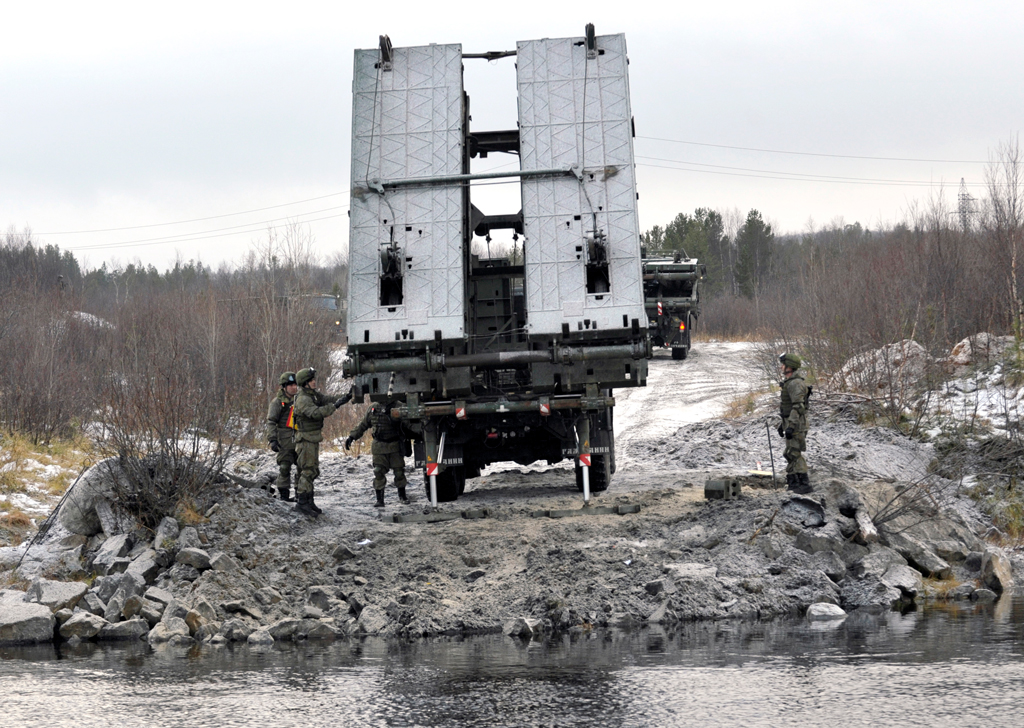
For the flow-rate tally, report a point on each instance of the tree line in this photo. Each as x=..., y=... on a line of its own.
x=938, y=276
x=95, y=348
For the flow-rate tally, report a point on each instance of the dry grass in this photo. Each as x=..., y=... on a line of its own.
x=15, y=525
x=940, y=588
x=19, y=455
x=186, y=513
x=743, y=405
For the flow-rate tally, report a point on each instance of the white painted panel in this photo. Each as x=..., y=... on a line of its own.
x=575, y=111
x=407, y=122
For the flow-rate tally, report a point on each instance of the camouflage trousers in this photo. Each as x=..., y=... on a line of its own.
x=308, y=461
x=794, y=453
x=286, y=458
x=382, y=463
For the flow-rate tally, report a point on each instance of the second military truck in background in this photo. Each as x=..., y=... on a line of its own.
x=513, y=357
x=672, y=287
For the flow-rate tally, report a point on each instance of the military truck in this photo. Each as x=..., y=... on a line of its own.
x=672, y=284
x=512, y=358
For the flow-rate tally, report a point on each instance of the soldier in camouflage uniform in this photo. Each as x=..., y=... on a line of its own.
x=311, y=409
x=793, y=408
x=281, y=433
x=387, y=449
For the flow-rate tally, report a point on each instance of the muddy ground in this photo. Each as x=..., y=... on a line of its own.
x=681, y=557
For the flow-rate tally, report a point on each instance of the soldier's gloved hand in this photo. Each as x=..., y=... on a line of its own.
x=781, y=430
x=790, y=432
x=338, y=402
x=274, y=446
x=348, y=442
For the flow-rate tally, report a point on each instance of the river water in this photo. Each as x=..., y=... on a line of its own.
x=937, y=667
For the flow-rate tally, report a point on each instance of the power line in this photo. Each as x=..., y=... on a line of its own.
x=796, y=176
x=816, y=154
x=184, y=238
x=197, y=219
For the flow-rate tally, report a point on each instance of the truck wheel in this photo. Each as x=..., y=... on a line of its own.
x=600, y=474
x=451, y=483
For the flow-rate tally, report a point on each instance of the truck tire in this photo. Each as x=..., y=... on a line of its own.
x=451, y=483
x=600, y=474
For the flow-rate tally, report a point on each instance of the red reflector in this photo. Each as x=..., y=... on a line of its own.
x=682, y=326
x=492, y=435
x=585, y=460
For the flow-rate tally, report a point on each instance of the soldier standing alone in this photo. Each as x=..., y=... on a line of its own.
x=387, y=449
x=311, y=409
x=281, y=432
x=795, y=397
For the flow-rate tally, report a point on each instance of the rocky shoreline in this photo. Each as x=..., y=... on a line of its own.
x=253, y=571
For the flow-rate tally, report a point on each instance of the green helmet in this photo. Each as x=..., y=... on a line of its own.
x=792, y=361
x=305, y=376
x=287, y=378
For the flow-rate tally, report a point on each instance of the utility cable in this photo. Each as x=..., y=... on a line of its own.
x=816, y=154
x=197, y=219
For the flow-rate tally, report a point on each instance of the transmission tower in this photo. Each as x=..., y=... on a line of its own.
x=965, y=206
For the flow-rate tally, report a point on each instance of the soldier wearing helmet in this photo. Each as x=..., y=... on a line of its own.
x=795, y=397
x=311, y=409
x=281, y=432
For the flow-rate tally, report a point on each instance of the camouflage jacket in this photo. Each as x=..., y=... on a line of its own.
x=386, y=431
x=794, y=400
x=311, y=409
x=277, y=420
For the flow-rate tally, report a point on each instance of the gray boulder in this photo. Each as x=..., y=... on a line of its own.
x=904, y=578
x=145, y=566
x=129, y=585
x=869, y=593
x=189, y=539
x=220, y=561
x=83, y=625
x=235, y=630
x=919, y=556
x=114, y=549
x=824, y=611
x=373, y=620
x=174, y=610
x=984, y=596
x=158, y=595
x=132, y=629
x=205, y=609
x=194, y=557
x=56, y=594
x=321, y=596
x=88, y=502
x=520, y=627
x=166, y=533
x=151, y=611
x=322, y=629
x=268, y=596
x=261, y=636
x=284, y=629
x=995, y=570
x=173, y=630
x=25, y=623
x=825, y=538
x=831, y=565
x=92, y=603
x=182, y=572
x=877, y=562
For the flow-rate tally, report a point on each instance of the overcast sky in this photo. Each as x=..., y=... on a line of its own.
x=139, y=115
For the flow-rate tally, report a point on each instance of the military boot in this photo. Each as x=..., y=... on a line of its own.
x=302, y=504
x=286, y=494
x=313, y=505
x=792, y=482
x=380, y=498
x=805, y=483
x=402, y=496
